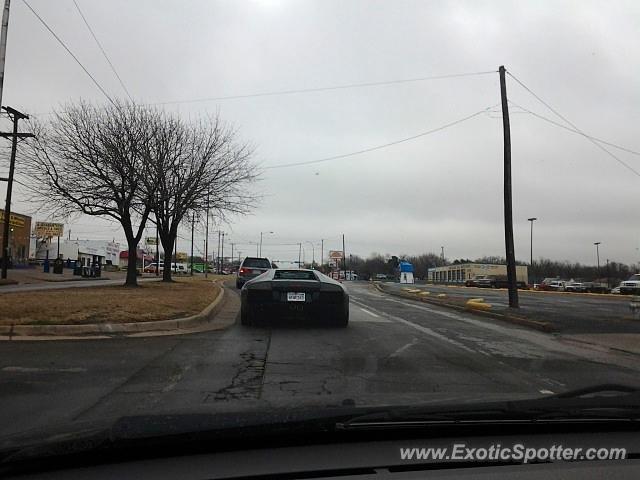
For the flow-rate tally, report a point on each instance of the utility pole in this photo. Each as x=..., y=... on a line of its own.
x=321, y=253
x=344, y=259
x=442, y=254
x=299, y=255
x=3, y=43
x=15, y=116
x=508, y=214
x=233, y=259
x=597, y=244
x=222, y=255
x=218, y=253
x=206, y=242
x=532, y=219
x=193, y=222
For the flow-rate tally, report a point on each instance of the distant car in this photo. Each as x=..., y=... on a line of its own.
x=576, y=287
x=631, y=286
x=557, y=286
x=472, y=282
x=616, y=290
x=380, y=276
x=498, y=281
x=250, y=268
x=298, y=294
x=545, y=285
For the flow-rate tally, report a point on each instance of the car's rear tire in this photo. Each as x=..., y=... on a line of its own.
x=342, y=320
x=238, y=285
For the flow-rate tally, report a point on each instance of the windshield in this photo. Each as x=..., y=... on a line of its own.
x=457, y=181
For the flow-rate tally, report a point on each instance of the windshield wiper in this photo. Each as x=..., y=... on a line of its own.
x=603, y=402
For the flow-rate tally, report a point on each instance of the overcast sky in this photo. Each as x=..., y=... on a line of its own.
x=442, y=189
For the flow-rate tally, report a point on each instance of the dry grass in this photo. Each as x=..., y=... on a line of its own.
x=112, y=304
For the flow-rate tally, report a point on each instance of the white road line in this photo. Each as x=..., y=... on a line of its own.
x=546, y=392
x=370, y=313
x=404, y=348
x=420, y=328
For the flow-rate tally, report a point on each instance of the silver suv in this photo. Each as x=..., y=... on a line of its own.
x=250, y=268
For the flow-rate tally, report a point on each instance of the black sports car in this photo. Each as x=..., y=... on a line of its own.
x=298, y=294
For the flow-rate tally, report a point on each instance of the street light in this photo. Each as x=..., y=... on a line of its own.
x=597, y=244
x=532, y=219
x=260, y=254
x=313, y=253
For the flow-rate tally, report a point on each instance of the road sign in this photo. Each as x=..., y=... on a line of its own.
x=47, y=229
x=14, y=220
x=181, y=257
x=335, y=254
x=150, y=241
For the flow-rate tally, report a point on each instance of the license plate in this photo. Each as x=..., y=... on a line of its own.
x=295, y=297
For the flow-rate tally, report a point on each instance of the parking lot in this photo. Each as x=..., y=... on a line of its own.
x=574, y=313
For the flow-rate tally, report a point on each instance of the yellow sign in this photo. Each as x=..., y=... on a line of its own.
x=181, y=257
x=46, y=229
x=14, y=220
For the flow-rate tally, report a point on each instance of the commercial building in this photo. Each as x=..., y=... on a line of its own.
x=142, y=261
x=19, y=237
x=87, y=252
x=466, y=271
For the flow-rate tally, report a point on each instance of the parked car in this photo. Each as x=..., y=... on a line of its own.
x=472, y=282
x=616, y=290
x=498, y=281
x=595, y=287
x=576, y=287
x=557, y=286
x=631, y=286
x=546, y=283
x=250, y=268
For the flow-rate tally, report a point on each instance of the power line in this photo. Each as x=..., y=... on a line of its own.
x=113, y=69
x=69, y=51
x=615, y=157
x=324, y=89
x=378, y=147
x=557, y=124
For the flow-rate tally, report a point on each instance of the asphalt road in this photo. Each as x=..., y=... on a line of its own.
x=572, y=313
x=395, y=351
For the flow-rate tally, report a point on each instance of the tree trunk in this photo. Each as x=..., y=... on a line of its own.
x=167, y=245
x=132, y=265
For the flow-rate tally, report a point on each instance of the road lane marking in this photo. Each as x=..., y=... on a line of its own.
x=546, y=392
x=370, y=313
x=420, y=328
x=404, y=348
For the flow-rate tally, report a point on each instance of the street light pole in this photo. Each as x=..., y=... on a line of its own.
x=313, y=253
x=532, y=219
x=260, y=251
x=597, y=244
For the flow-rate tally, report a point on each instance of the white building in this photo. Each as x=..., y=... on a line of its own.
x=86, y=251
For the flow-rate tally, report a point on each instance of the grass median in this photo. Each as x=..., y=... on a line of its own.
x=151, y=301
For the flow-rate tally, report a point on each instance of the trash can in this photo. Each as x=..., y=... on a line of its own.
x=58, y=266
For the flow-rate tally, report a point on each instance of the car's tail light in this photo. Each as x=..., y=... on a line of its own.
x=243, y=271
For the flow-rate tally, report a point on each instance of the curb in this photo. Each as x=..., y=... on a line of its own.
x=117, y=328
x=525, y=322
x=595, y=346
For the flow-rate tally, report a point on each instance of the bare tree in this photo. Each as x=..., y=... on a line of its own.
x=190, y=165
x=89, y=160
